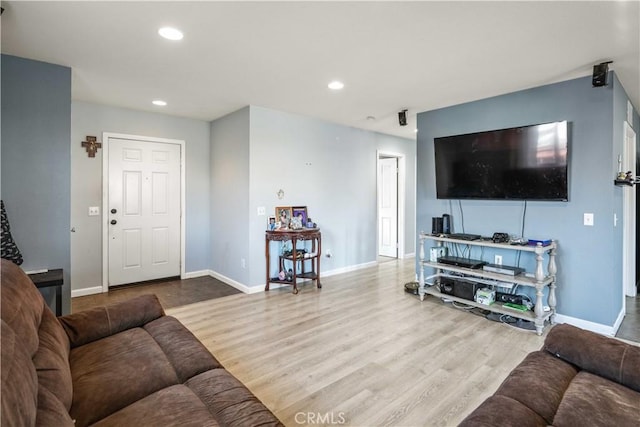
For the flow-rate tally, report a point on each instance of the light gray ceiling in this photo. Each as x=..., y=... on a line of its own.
x=390, y=55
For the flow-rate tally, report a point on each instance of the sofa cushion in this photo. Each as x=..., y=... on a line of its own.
x=112, y=373
x=600, y=355
x=19, y=380
x=100, y=322
x=230, y=402
x=172, y=406
x=493, y=412
x=595, y=401
x=52, y=359
x=51, y=411
x=186, y=354
x=539, y=371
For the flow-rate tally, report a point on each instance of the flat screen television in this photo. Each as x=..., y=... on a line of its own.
x=522, y=163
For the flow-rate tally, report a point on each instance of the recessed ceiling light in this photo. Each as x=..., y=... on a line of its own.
x=336, y=85
x=159, y=103
x=170, y=33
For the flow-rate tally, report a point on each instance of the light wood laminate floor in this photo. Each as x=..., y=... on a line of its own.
x=360, y=351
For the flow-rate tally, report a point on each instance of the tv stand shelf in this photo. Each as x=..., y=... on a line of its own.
x=538, y=280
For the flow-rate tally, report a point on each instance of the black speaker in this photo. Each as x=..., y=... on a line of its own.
x=436, y=225
x=600, y=73
x=459, y=287
x=446, y=224
x=402, y=118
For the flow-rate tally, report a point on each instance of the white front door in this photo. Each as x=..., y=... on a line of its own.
x=143, y=210
x=388, y=207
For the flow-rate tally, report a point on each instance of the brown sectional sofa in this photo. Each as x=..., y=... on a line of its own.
x=121, y=365
x=578, y=378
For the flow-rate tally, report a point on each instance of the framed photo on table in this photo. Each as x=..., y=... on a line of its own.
x=283, y=216
x=301, y=213
x=271, y=223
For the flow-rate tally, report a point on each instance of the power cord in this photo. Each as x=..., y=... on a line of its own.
x=461, y=215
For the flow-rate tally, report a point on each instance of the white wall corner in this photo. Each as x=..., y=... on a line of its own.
x=239, y=286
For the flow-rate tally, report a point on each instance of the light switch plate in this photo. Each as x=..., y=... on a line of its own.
x=588, y=219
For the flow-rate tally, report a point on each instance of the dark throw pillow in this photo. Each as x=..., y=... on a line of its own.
x=8, y=248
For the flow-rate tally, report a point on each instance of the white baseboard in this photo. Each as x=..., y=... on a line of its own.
x=194, y=274
x=348, y=269
x=411, y=255
x=86, y=291
x=260, y=288
x=598, y=328
x=239, y=286
x=618, y=322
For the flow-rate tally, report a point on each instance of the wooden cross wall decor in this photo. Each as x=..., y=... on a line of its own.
x=91, y=145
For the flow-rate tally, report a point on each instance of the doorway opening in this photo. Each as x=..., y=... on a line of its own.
x=390, y=206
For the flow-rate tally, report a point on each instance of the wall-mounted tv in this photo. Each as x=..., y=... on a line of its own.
x=522, y=163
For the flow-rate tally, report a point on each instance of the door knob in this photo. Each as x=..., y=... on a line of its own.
x=114, y=211
x=114, y=222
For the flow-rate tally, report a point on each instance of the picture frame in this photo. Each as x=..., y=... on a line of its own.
x=271, y=223
x=283, y=216
x=296, y=211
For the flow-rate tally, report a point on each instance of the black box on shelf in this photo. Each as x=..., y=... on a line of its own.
x=459, y=287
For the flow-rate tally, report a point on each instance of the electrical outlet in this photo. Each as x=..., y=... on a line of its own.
x=261, y=210
x=243, y=263
x=94, y=210
x=497, y=259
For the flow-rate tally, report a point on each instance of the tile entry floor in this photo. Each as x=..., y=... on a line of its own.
x=171, y=292
x=630, y=327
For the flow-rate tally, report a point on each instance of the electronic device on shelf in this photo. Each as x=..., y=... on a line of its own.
x=459, y=287
x=500, y=238
x=503, y=269
x=534, y=242
x=464, y=236
x=461, y=262
x=513, y=299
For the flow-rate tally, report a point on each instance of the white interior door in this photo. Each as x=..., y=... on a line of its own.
x=143, y=210
x=388, y=207
x=629, y=214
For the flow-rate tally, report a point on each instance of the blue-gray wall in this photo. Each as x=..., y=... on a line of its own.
x=230, y=213
x=589, y=276
x=36, y=128
x=327, y=167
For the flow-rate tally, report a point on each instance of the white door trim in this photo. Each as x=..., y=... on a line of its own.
x=629, y=217
x=105, y=197
x=401, y=199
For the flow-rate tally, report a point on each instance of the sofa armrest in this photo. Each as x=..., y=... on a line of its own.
x=603, y=356
x=100, y=322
